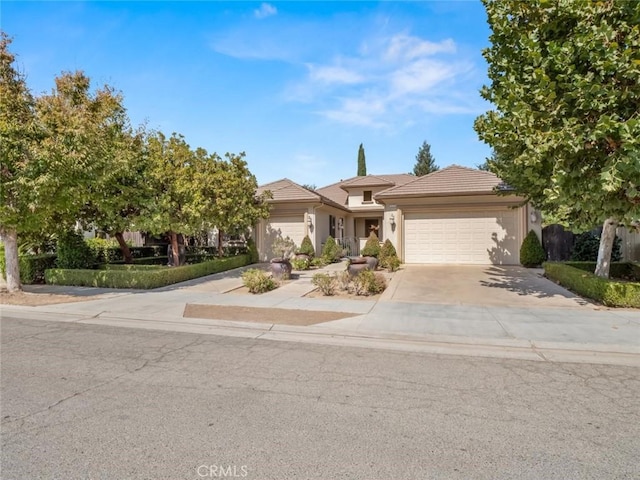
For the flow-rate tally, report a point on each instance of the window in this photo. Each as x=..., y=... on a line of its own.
x=332, y=226
x=366, y=196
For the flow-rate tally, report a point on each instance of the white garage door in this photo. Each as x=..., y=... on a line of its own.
x=477, y=237
x=289, y=226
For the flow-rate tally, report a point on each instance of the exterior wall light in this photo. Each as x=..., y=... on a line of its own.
x=533, y=216
x=309, y=222
x=392, y=219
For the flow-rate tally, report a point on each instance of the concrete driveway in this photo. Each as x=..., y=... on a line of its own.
x=485, y=285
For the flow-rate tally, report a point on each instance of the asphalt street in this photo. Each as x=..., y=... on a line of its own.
x=101, y=402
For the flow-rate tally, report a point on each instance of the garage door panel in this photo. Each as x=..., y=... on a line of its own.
x=480, y=237
x=290, y=226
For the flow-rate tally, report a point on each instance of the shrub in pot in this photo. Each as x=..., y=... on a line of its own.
x=306, y=249
x=283, y=248
x=371, y=250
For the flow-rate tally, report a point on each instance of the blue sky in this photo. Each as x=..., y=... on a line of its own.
x=296, y=85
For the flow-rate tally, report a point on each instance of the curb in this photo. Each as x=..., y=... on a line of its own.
x=552, y=352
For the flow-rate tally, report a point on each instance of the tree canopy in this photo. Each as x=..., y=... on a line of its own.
x=71, y=157
x=425, y=163
x=565, y=86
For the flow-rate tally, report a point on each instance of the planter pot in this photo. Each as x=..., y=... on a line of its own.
x=281, y=268
x=303, y=256
x=357, y=260
x=372, y=262
x=355, y=268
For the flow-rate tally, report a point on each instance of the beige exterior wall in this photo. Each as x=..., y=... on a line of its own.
x=356, y=196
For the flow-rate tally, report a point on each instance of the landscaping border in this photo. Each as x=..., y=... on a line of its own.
x=142, y=276
x=576, y=277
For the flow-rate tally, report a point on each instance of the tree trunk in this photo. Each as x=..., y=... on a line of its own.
x=220, y=248
x=9, y=237
x=606, y=246
x=124, y=248
x=175, y=252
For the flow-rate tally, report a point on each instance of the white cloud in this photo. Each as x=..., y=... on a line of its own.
x=334, y=74
x=389, y=81
x=406, y=47
x=265, y=10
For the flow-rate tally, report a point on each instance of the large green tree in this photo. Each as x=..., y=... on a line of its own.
x=53, y=154
x=362, y=162
x=565, y=85
x=122, y=194
x=19, y=132
x=236, y=206
x=425, y=163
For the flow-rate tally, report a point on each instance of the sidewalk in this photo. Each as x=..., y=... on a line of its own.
x=592, y=335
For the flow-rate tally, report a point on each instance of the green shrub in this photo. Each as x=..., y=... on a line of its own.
x=609, y=292
x=73, y=252
x=104, y=251
x=325, y=282
x=586, y=245
x=531, y=252
x=32, y=267
x=306, y=247
x=300, y=264
x=368, y=282
x=319, y=262
x=258, y=281
x=617, y=270
x=142, y=278
x=283, y=247
x=386, y=251
x=330, y=251
x=343, y=280
x=372, y=247
x=393, y=263
x=252, y=250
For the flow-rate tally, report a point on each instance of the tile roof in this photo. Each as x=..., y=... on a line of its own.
x=448, y=181
x=337, y=193
x=286, y=190
x=367, y=181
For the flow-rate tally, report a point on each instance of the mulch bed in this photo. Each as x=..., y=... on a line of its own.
x=282, y=316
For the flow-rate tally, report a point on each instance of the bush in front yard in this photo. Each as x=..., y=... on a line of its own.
x=306, y=247
x=325, y=282
x=143, y=277
x=300, y=264
x=368, y=282
x=585, y=248
x=610, y=292
x=258, y=281
x=331, y=252
x=531, y=252
x=387, y=251
x=73, y=252
x=371, y=247
x=32, y=267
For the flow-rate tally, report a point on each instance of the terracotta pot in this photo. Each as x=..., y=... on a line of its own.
x=303, y=256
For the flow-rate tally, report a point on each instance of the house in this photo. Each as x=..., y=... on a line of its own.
x=453, y=215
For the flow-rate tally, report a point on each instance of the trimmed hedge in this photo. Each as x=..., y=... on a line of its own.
x=621, y=270
x=142, y=276
x=576, y=277
x=32, y=267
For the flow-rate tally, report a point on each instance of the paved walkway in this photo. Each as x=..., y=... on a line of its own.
x=584, y=328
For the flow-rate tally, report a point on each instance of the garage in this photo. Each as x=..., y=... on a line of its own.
x=480, y=237
x=291, y=226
